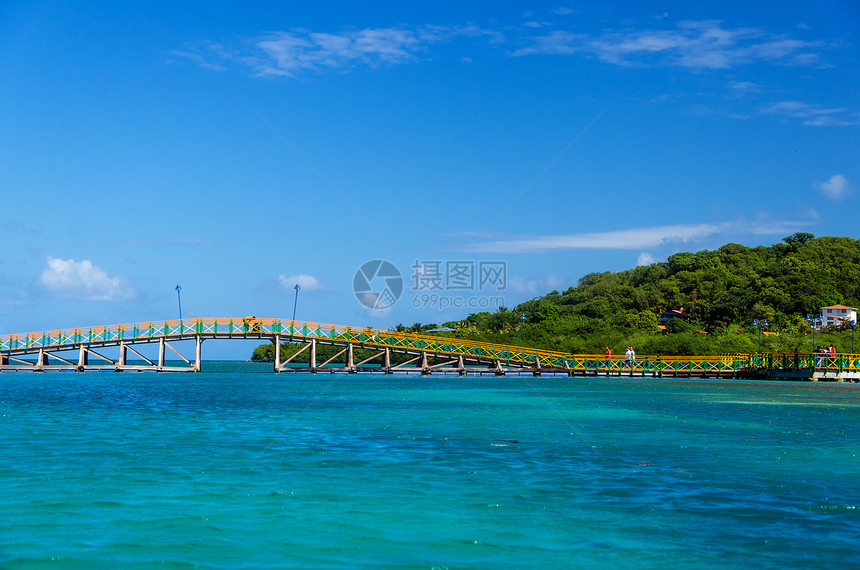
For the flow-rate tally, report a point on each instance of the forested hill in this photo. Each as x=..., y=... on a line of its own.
x=720, y=291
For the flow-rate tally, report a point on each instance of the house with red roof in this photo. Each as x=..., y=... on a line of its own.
x=837, y=315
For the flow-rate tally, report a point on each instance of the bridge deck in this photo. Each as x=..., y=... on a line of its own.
x=41, y=351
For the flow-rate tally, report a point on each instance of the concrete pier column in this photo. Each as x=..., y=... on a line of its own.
x=277, y=342
x=350, y=359
x=198, y=353
x=312, y=362
x=42, y=359
x=123, y=355
x=461, y=366
x=386, y=360
x=161, y=345
x=82, y=358
x=425, y=367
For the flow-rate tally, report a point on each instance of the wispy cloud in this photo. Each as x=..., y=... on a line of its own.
x=170, y=241
x=522, y=285
x=698, y=45
x=835, y=188
x=635, y=238
x=285, y=53
x=704, y=44
x=814, y=115
x=744, y=88
x=537, y=25
x=83, y=280
x=14, y=226
x=289, y=53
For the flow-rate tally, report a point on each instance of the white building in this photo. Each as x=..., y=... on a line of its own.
x=837, y=315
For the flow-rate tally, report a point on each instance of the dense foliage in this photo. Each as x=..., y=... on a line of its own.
x=721, y=292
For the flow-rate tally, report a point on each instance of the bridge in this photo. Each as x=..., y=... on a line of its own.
x=78, y=350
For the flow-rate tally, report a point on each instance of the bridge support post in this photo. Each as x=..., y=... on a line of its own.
x=161, y=345
x=82, y=358
x=350, y=360
x=461, y=366
x=386, y=361
x=123, y=356
x=312, y=362
x=198, y=353
x=277, y=342
x=425, y=368
x=42, y=360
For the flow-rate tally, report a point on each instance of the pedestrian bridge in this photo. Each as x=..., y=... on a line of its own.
x=81, y=349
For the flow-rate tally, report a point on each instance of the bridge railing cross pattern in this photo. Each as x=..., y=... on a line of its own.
x=131, y=333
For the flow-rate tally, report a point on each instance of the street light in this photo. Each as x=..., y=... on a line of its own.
x=179, y=300
x=296, y=302
x=853, y=325
x=522, y=320
x=812, y=321
x=759, y=324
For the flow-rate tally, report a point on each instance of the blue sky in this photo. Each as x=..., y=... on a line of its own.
x=237, y=151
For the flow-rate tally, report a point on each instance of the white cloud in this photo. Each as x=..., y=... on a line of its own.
x=693, y=44
x=835, y=188
x=562, y=11
x=285, y=53
x=705, y=44
x=635, y=238
x=288, y=53
x=814, y=115
x=83, y=280
x=744, y=88
x=523, y=286
x=554, y=281
x=306, y=282
x=645, y=258
x=536, y=25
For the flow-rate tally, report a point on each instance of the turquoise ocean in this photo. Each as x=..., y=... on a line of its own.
x=237, y=467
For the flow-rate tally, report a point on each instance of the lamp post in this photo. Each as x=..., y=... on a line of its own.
x=296, y=301
x=853, y=326
x=759, y=324
x=812, y=321
x=179, y=300
x=522, y=320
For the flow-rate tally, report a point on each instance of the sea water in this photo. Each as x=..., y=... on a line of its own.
x=237, y=467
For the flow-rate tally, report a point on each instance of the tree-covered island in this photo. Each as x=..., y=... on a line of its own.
x=720, y=292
